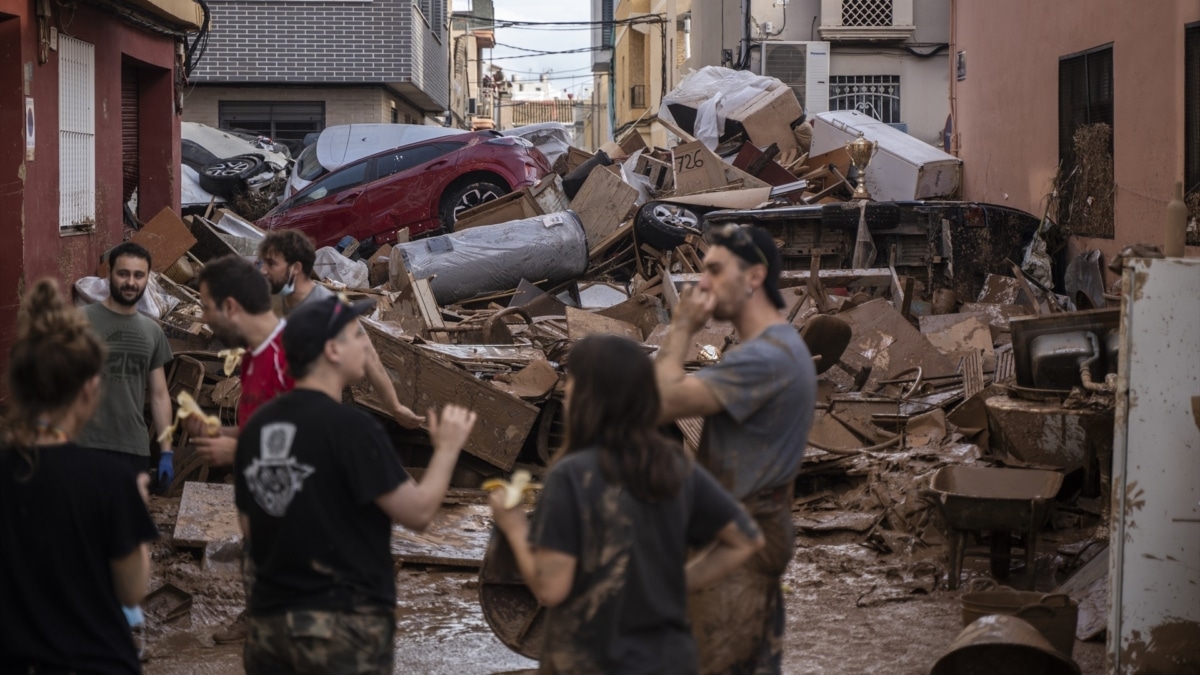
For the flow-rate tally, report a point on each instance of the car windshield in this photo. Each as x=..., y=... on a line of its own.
x=307, y=166
x=346, y=178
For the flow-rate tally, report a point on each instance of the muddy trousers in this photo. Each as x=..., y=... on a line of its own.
x=739, y=621
x=312, y=642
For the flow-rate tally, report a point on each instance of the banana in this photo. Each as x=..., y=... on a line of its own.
x=515, y=490
x=232, y=358
x=187, y=408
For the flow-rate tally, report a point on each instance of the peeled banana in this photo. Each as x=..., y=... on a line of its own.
x=187, y=408
x=515, y=490
x=232, y=358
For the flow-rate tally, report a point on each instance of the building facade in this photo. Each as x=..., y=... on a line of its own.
x=287, y=69
x=472, y=92
x=89, y=109
x=1018, y=103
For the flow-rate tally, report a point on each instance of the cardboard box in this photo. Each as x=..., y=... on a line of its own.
x=767, y=118
x=904, y=167
x=697, y=169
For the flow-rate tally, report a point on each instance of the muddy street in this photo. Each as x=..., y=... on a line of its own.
x=850, y=609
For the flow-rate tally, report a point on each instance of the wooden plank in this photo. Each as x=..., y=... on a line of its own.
x=209, y=244
x=166, y=237
x=424, y=381
x=888, y=343
x=582, y=323
x=431, y=311
x=641, y=310
x=457, y=537
x=623, y=230
x=696, y=170
x=206, y=514
x=603, y=203
x=973, y=381
x=832, y=278
x=670, y=290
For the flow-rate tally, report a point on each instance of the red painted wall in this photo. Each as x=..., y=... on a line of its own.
x=1006, y=111
x=30, y=244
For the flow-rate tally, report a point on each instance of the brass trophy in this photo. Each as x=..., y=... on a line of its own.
x=861, y=152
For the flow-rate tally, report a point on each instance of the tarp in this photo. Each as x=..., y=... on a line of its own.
x=494, y=258
x=714, y=92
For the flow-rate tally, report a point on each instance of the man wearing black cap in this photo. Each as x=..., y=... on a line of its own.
x=317, y=488
x=757, y=404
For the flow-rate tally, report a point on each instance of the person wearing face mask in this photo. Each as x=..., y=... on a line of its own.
x=137, y=354
x=286, y=259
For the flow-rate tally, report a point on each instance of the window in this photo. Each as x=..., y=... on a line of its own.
x=874, y=95
x=284, y=121
x=867, y=19
x=403, y=160
x=76, y=135
x=637, y=96
x=343, y=179
x=1191, y=115
x=1085, y=99
x=866, y=12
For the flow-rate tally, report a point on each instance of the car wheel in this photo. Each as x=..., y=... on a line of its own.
x=465, y=197
x=665, y=226
x=196, y=156
x=227, y=177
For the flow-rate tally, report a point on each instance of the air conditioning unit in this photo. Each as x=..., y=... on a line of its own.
x=803, y=66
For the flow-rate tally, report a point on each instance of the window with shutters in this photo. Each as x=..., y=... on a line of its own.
x=76, y=136
x=281, y=121
x=867, y=20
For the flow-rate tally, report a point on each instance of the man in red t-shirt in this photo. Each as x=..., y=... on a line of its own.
x=237, y=307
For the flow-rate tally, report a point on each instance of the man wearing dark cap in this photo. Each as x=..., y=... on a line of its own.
x=757, y=404
x=317, y=488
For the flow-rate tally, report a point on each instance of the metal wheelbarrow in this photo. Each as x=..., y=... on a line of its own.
x=1000, y=500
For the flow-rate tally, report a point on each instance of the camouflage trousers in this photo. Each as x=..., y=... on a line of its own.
x=307, y=641
x=739, y=621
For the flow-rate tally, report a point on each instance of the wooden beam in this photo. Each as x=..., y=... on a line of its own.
x=872, y=276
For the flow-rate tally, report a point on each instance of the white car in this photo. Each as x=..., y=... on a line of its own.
x=343, y=144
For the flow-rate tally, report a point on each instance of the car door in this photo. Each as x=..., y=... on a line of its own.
x=407, y=183
x=331, y=207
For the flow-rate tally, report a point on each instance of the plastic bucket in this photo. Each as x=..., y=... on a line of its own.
x=1054, y=615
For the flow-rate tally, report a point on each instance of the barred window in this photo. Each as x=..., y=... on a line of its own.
x=874, y=95
x=278, y=120
x=76, y=135
x=866, y=12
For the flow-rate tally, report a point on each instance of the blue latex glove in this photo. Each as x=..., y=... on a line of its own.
x=166, y=470
x=134, y=616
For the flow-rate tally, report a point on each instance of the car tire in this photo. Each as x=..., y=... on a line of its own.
x=227, y=177
x=196, y=156
x=664, y=225
x=459, y=198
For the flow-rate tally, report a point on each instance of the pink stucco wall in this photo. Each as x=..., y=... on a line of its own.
x=1007, y=108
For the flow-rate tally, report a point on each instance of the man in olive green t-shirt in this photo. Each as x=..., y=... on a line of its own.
x=137, y=353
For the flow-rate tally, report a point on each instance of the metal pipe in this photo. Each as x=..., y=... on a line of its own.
x=1108, y=386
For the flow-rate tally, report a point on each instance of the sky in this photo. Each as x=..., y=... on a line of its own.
x=569, y=72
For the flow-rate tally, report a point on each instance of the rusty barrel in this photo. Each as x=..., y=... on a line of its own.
x=999, y=645
x=509, y=607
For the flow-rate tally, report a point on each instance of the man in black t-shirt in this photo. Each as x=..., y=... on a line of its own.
x=318, y=486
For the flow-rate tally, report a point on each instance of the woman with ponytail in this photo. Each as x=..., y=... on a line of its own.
x=607, y=549
x=73, y=521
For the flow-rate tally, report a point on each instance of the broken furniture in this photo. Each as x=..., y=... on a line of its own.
x=999, y=500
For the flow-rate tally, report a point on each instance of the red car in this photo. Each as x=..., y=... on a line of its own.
x=423, y=186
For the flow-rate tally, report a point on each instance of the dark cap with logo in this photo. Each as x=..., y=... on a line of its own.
x=756, y=246
x=312, y=324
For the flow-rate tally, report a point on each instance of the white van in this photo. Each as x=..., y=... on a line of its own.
x=340, y=145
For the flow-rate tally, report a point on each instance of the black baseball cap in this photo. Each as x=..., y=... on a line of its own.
x=756, y=246
x=312, y=324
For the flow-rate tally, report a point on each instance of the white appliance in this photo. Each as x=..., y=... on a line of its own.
x=1154, y=551
x=803, y=66
x=904, y=167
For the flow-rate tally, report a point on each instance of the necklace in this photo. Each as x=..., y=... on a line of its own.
x=57, y=433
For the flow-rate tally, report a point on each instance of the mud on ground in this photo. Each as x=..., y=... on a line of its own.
x=850, y=609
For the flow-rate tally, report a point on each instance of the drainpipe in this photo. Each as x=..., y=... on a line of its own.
x=744, y=51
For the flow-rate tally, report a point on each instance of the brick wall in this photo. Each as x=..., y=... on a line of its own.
x=349, y=105
x=376, y=41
